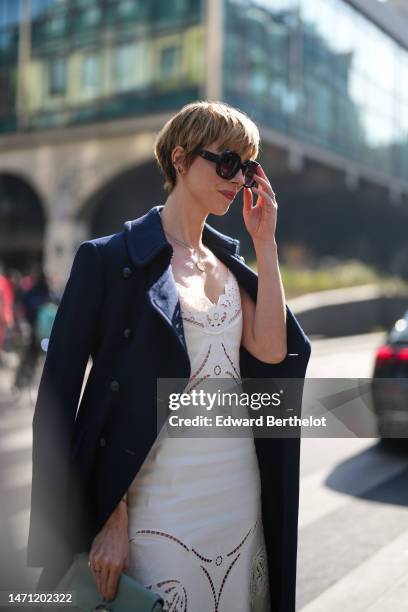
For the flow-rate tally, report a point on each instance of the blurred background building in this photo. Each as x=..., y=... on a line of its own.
x=86, y=84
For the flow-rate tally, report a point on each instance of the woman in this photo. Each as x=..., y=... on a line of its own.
x=136, y=502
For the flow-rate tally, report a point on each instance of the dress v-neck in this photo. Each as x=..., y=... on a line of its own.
x=204, y=295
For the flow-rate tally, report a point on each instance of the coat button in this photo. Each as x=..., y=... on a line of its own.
x=114, y=385
x=126, y=272
x=127, y=332
x=102, y=442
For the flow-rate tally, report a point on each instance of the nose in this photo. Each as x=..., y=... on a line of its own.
x=239, y=177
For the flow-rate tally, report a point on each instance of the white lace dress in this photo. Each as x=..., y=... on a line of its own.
x=195, y=525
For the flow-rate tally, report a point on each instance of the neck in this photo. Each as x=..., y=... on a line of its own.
x=183, y=221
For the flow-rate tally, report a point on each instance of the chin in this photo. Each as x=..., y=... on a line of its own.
x=218, y=206
x=218, y=212
x=221, y=209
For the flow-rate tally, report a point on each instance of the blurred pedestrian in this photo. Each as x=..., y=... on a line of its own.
x=6, y=308
x=33, y=299
x=16, y=338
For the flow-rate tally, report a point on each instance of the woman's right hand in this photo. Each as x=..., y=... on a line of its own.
x=108, y=556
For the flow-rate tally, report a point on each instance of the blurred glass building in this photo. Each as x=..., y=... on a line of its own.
x=326, y=81
x=78, y=61
x=319, y=70
x=322, y=72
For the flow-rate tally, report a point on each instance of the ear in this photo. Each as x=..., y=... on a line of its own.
x=178, y=157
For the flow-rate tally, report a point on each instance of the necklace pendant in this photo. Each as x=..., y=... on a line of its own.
x=200, y=266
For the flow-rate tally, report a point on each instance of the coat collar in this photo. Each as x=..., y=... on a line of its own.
x=145, y=238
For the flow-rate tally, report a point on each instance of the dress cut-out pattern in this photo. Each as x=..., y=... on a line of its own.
x=194, y=507
x=175, y=597
x=213, y=317
x=219, y=326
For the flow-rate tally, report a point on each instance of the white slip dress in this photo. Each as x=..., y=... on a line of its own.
x=194, y=507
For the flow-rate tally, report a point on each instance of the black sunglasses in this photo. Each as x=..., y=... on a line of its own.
x=228, y=163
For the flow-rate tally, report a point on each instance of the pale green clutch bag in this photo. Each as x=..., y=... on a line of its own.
x=131, y=596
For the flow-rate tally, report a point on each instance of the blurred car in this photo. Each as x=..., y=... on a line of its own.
x=390, y=383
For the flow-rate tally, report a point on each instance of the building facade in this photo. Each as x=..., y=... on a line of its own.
x=86, y=84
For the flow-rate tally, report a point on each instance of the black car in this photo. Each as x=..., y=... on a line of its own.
x=390, y=383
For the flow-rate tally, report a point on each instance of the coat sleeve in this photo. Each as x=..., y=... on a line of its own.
x=280, y=465
x=70, y=345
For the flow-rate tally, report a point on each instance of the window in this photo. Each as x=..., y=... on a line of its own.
x=56, y=25
x=170, y=10
x=169, y=61
x=91, y=74
x=128, y=8
x=91, y=16
x=6, y=40
x=57, y=76
x=9, y=12
x=131, y=66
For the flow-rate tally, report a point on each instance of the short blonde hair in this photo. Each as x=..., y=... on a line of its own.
x=199, y=124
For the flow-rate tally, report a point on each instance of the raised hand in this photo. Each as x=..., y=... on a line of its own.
x=260, y=220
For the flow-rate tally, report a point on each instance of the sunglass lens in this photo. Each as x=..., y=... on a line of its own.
x=250, y=170
x=229, y=165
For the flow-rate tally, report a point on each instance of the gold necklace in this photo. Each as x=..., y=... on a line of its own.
x=198, y=262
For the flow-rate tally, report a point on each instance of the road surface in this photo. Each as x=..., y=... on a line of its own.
x=353, y=520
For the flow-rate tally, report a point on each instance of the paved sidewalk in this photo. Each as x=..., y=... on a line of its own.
x=16, y=411
x=353, y=524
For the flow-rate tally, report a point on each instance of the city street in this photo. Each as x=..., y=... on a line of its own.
x=353, y=517
x=353, y=521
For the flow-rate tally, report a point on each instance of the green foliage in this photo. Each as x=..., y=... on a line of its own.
x=298, y=281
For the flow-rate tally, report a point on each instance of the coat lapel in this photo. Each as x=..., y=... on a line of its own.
x=163, y=297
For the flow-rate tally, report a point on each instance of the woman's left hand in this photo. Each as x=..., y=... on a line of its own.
x=260, y=220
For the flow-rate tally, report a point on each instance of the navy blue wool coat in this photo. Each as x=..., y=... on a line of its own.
x=120, y=306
